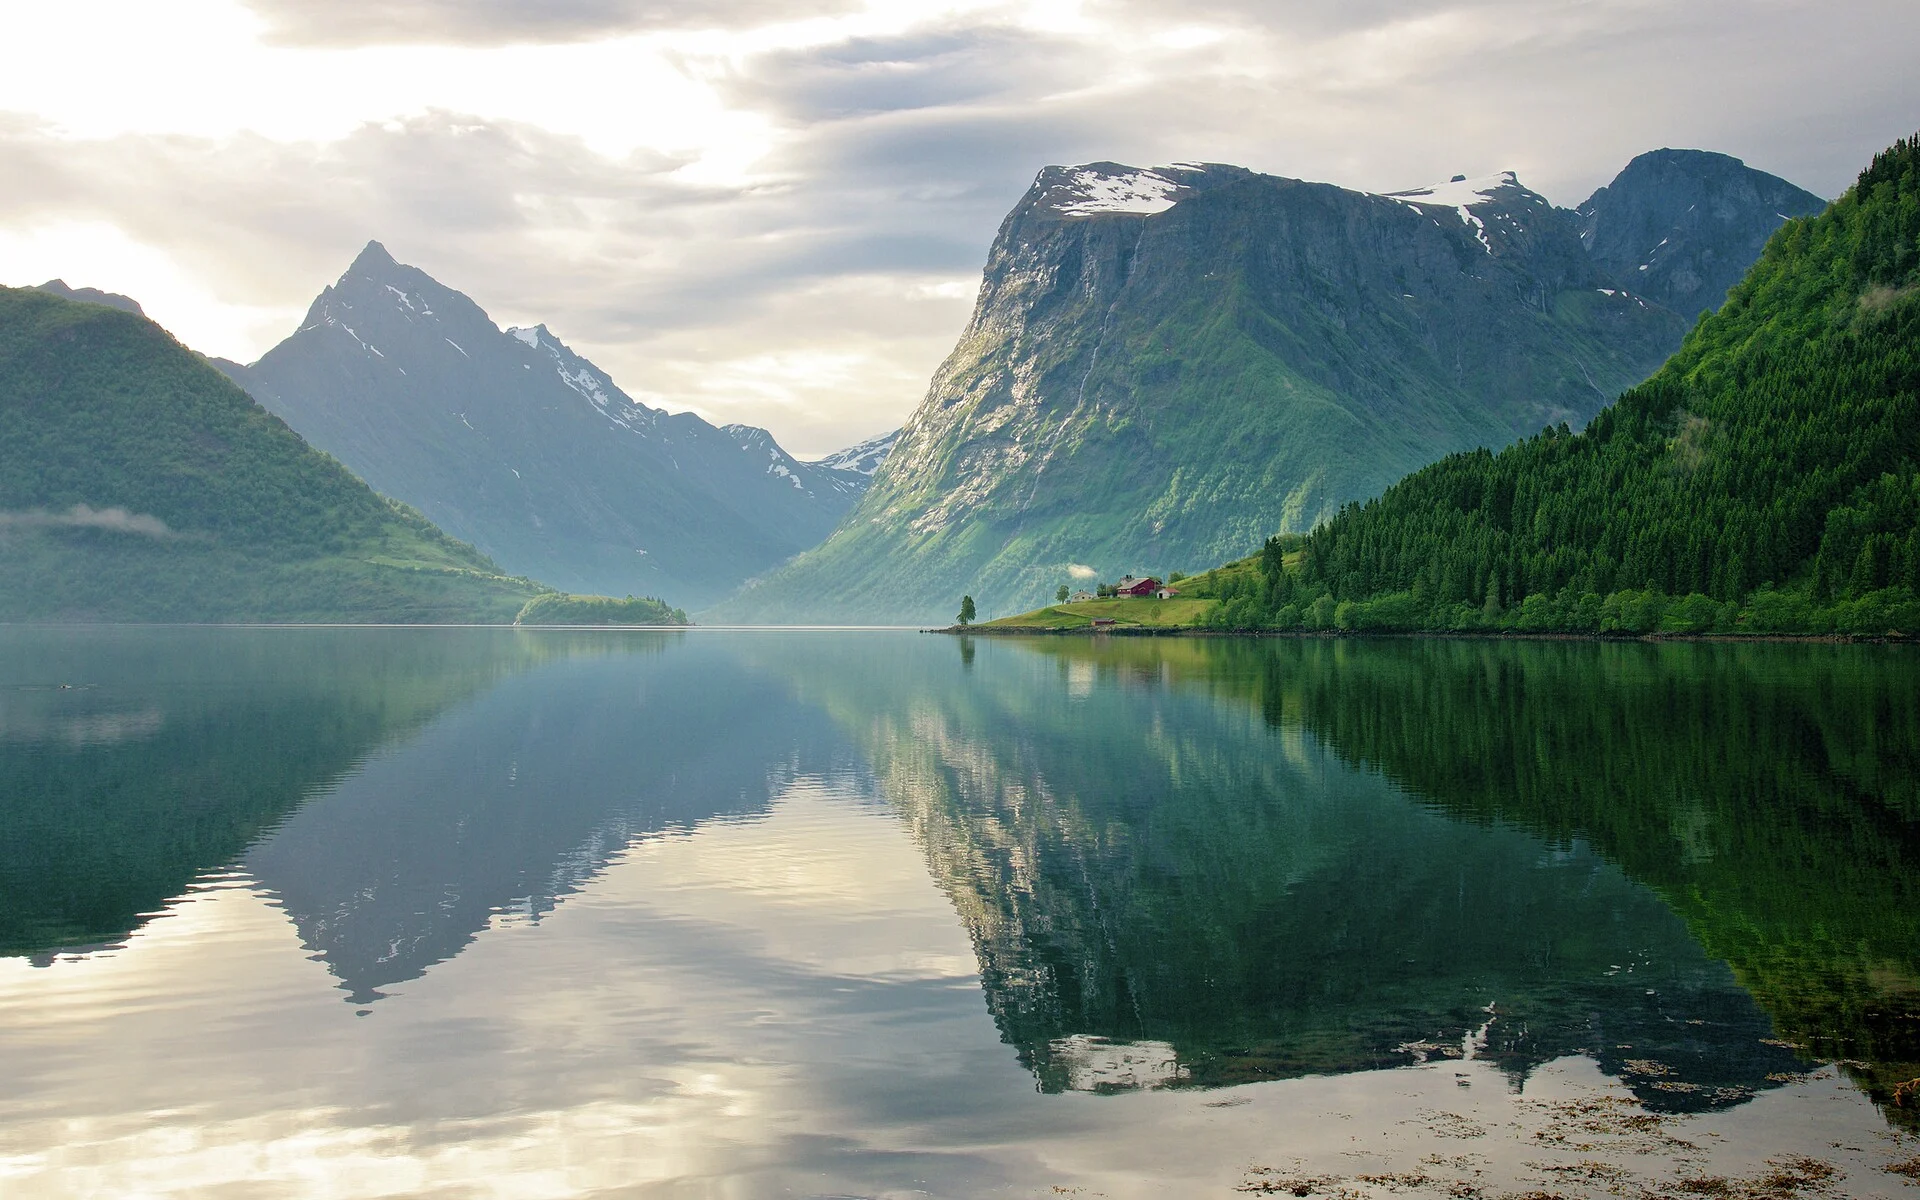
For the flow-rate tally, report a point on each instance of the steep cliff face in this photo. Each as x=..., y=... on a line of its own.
x=1680, y=227
x=1166, y=366
x=530, y=451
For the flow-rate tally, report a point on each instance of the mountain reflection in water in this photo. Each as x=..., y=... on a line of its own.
x=1304, y=856
x=1180, y=862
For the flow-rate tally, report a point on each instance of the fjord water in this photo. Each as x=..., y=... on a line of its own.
x=546, y=913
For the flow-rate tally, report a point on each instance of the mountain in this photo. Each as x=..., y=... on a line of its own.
x=87, y=295
x=137, y=483
x=1680, y=227
x=862, y=458
x=1166, y=366
x=1767, y=479
x=511, y=440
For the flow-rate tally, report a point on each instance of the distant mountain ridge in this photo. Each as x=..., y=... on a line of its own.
x=862, y=458
x=1166, y=365
x=87, y=295
x=510, y=439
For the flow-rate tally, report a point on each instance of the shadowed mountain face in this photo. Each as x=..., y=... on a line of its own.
x=1680, y=227
x=512, y=441
x=516, y=801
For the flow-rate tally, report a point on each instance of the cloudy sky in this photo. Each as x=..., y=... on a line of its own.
x=776, y=212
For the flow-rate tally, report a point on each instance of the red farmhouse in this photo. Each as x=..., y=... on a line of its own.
x=1137, y=587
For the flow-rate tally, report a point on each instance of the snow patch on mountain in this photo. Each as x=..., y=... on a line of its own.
x=1091, y=190
x=1463, y=195
x=1457, y=193
x=584, y=378
x=862, y=458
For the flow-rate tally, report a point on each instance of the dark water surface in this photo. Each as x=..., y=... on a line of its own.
x=709, y=913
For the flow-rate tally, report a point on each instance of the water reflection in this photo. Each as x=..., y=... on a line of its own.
x=1581, y=835
x=718, y=913
x=133, y=760
x=522, y=797
x=1140, y=864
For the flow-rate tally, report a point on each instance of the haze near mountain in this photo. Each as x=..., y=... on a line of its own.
x=1166, y=366
x=510, y=440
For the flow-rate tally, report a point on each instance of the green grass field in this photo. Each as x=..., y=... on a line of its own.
x=1156, y=614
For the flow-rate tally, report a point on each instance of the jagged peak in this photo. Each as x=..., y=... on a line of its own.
x=373, y=258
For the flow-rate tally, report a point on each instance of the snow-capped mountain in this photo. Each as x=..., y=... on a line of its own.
x=862, y=458
x=1167, y=364
x=511, y=440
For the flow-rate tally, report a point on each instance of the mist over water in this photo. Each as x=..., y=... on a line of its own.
x=398, y=912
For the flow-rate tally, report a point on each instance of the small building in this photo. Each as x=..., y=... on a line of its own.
x=1167, y=593
x=1136, y=587
x=1082, y=597
x=1099, y=622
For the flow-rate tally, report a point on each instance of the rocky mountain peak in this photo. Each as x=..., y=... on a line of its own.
x=372, y=260
x=526, y=447
x=1681, y=226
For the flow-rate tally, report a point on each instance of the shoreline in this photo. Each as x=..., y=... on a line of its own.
x=1196, y=631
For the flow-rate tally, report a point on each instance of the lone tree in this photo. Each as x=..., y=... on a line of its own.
x=1060, y=597
x=966, y=610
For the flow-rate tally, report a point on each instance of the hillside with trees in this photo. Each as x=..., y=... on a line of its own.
x=138, y=483
x=1765, y=480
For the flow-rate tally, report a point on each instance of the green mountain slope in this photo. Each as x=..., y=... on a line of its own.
x=137, y=483
x=1766, y=479
x=1149, y=389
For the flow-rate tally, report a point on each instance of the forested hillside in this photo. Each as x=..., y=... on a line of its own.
x=1767, y=479
x=138, y=483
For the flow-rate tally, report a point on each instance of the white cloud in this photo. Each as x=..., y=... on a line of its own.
x=778, y=218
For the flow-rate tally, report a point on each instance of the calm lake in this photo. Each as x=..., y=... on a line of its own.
x=708, y=913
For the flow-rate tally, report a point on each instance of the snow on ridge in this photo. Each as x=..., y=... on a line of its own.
x=862, y=458
x=1458, y=193
x=530, y=336
x=1461, y=195
x=1093, y=191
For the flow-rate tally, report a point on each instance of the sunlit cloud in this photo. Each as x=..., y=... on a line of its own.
x=716, y=201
